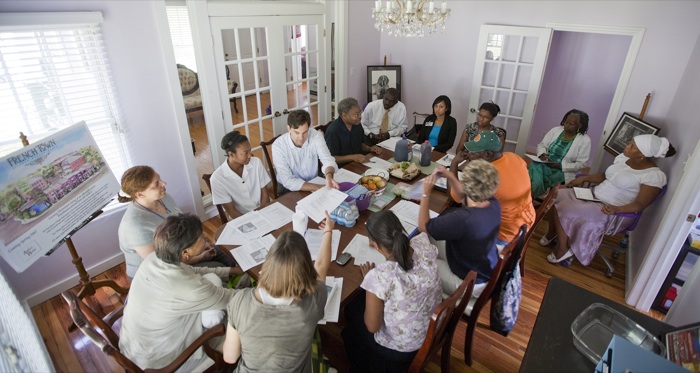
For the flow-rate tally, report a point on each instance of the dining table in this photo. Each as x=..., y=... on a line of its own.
x=351, y=274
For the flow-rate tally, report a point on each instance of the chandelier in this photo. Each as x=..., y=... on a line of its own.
x=409, y=18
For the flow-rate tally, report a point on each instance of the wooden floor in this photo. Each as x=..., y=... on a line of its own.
x=71, y=352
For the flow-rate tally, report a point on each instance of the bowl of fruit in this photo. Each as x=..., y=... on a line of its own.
x=375, y=183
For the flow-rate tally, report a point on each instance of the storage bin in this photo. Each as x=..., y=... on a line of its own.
x=594, y=328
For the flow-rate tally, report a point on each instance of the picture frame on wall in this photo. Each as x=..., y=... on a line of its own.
x=380, y=78
x=625, y=130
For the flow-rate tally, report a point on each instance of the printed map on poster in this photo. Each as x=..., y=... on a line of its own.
x=47, y=190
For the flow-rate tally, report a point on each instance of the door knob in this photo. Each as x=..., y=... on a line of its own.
x=472, y=110
x=285, y=111
x=277, y=114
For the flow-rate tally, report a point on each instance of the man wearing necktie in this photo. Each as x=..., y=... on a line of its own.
x=384, y=118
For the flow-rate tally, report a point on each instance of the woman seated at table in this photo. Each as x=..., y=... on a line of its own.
x=439, y=128
x=470, y=232
x=163, y=314
x=271, y=327
x=487, y=112
x=387, y=322
x=630, y=184
x=346, y=138
x=240, y=183
x=149, y=204
x=565, y=151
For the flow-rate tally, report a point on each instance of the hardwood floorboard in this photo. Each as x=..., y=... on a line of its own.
x=71, y=352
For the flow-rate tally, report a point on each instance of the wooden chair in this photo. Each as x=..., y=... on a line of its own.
x=222, y=212
x=542, y=210
x=471, y=315
x=323, y=127
x=100, y=332
x=270, y=166
x=443, y=324
x=412, y=134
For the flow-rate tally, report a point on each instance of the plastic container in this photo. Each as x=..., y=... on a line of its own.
x=594, y=328
x=401, y=150
x=346, y=214
x=426, y=151
x=362, y=204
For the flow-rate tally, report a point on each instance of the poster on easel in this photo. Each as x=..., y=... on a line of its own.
x=48, y=190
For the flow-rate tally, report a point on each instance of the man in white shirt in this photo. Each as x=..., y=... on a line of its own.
x=296, y=155
x=384, y=118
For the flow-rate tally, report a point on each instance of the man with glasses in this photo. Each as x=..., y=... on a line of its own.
x=345, y=137
x=384, y=118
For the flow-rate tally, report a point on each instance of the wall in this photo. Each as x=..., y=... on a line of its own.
x=444, y=63
x=363, y=48
x=583, y=70
x=134, y=49
x=682, y=127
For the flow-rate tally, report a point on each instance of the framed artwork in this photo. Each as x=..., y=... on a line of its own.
x=380, y=78
x=627, y=128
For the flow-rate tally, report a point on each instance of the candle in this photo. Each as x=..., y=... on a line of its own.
x=431, y=7
x=378, y=5
x=409, y=6
x=444, y=7
x=388, y=6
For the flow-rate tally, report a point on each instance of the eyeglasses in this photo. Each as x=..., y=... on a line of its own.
x=355, y=115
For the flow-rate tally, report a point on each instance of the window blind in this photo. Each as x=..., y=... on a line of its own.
x=181, y=36
x=52, y=76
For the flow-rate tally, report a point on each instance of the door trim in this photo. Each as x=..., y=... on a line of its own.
x=637, y=34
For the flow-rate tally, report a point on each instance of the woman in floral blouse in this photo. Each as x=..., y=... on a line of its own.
x=388, y=322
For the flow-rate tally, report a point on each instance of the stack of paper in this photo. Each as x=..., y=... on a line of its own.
x=441, y=183
x=407, y=212
x=253, y=253
x=390, y=144
x=317, y=203
x=277, y=214
x=446, y=160
x=344, y=175
x=376, y=162
x=245, y=229
x=334, y=286
x=314, y=237
x=360, y=249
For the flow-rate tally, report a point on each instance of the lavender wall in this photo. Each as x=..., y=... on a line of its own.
x=363, y=48
x=583, y=70
x=134, y=50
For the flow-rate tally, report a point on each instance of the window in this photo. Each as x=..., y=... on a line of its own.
x=181, y=36
x=54, y=74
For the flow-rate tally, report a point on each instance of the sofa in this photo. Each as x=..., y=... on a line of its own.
x=189, y=84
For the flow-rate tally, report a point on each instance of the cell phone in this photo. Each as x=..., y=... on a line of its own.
x=343, y=259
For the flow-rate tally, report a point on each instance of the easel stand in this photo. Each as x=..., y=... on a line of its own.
x=88, y=287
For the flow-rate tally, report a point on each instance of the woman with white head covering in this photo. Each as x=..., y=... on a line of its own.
x=630, y=184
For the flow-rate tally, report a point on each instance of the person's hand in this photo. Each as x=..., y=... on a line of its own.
x=365, y=268
x=331, y=183
x=429, y=182
x=208, y=254
x=553, y=165
x=460, y=156
x=359, y=158
x=441, y=171
x=609, y=209
x=543, y=156
x=327, y=225
x=235, y=271
x=376, y=150
x=576, y=182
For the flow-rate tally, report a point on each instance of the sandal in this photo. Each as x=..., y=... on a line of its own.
x=545, y=242
x=554, y=260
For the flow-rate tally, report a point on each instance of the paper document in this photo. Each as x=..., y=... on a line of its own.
x=251, y=225
x=446, y=160
x=253, y=252
x=277, y=214
x=317, y=203
x=360, y=249
x=536, y=158
x=376, y=162
x=407, y=212
x=345, y=176
x=585, y=194
x=441, y=183
x=390, y=143
x=334, y=286
x=314, y=237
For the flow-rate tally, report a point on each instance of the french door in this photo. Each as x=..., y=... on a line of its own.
x=278, y=65
x=508, y=71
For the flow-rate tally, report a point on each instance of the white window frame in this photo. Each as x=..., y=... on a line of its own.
x=105, y=128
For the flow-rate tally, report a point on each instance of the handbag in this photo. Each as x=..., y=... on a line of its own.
x=506, y=302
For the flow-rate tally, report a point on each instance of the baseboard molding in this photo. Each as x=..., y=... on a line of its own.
x=72, y=281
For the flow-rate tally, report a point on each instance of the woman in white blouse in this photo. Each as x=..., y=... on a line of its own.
x=239, y=184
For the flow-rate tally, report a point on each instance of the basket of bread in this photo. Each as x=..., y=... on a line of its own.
x=404, y=170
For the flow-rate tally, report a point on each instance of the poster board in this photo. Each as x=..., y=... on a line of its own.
x=49, y=189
